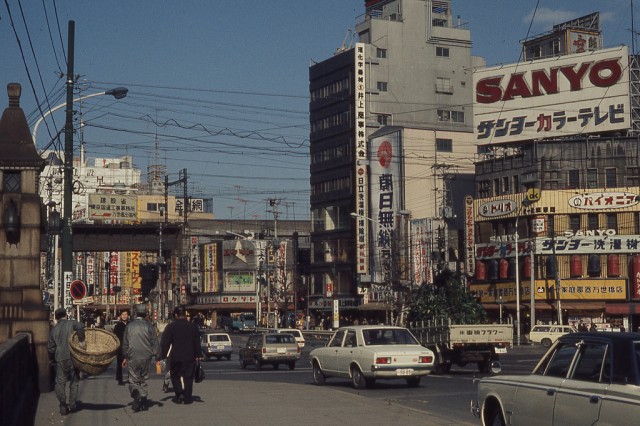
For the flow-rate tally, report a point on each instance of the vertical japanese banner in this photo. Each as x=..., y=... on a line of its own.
x=210, y=268
x=361, y=158
x=421, y=235
x=114, y=271
x=195, y=265
x=91, y=281
x=469, y=238
x=385, y=202
x=136, y=281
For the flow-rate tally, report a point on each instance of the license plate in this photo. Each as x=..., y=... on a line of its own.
x=501, y=350
x=404, y=371
x=282, y=350
x=221, y=347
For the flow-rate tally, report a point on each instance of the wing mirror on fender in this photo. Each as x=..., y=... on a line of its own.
x=496, y=367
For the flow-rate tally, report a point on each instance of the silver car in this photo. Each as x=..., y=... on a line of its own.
x=583, y=379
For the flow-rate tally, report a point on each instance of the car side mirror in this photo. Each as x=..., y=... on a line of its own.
x=496, y=367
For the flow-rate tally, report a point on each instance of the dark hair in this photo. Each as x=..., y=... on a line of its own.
x=179, y=311
x=60, y=313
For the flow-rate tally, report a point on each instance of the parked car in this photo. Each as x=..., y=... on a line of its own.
x=216, y=345
x=297, y=334
x=270, y=348
x=548, y=334
x=583, y=379
x=366, y=353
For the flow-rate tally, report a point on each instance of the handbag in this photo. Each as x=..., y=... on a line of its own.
x=198, y=373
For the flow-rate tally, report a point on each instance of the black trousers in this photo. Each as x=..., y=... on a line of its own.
x=182, y=378
x=119, y=360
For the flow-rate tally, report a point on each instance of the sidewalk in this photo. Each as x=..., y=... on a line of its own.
x=228, y=402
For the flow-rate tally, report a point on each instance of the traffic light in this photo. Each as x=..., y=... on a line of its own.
x=149, y=278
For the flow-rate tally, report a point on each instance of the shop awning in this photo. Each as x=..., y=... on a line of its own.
x=375, y=306
x=622, y=308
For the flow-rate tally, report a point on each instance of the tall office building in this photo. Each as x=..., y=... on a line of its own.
x=391, y=135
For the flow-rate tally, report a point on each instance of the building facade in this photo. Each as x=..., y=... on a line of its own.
x=556, y=219
x=391, y=130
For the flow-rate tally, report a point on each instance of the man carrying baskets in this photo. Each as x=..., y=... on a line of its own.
x=139, y=345
x=58, y=347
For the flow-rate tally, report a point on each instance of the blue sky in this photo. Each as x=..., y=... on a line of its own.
x=221, y=87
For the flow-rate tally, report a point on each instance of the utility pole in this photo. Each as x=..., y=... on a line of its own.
x=67, y=237
x=182, y=179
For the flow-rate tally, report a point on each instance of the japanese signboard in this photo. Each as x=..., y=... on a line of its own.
x=361, y=157
x=386, y=181
x=210, y=267
x=570, y=289
x=195, y=265
x=554, y=97
x=113, y=207
x=469, y=223
x=421, y=237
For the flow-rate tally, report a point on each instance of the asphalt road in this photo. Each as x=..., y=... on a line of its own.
x=446, y=395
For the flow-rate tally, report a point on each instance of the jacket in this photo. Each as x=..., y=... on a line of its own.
x=140, y=340
x=58, y=344
x=184, y=339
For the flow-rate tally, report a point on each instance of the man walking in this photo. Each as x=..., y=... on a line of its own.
x=58, y=347
x=183, y=338
x=118, y=329
x=139, y=345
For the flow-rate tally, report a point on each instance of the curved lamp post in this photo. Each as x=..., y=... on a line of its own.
x=67, y=239
x=117, y=93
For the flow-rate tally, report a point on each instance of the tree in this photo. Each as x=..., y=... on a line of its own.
x=448, y=298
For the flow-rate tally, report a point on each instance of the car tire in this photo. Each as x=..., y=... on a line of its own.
x=485, y=366
x=318, y=376
x=243, y=364
x=495, y=418
x=228, y=357
x=292, y=366
x=357, y=378
x=218, y=357
x=276, y=365
x=413, y=382
x=257, y=363
x=546, y=342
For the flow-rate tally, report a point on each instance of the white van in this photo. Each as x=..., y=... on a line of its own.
x=546, y=335
x=297, y=334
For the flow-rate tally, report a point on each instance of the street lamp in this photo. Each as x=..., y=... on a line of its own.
x=67, y=238
x=117, y=93
x=255, y=247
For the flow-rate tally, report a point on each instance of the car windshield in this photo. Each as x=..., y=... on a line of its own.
x=219, y=338
x=280, y=338
x=386, y=336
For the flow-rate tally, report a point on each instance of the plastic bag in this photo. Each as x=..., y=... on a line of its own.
x=198, y=373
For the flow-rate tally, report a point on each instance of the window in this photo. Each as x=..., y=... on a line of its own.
x=455, y=116
x=574, y=222
x=611, y=178
x=560, y=361
x=437, y=22
x=592, y=178
x=336, y=342
x=612, y=221
x=382, y=86
x=11, y=181
x=442, y=52
x=574, y=179
x=381, y=53
x=592, y=222
x=444, y=145
x=484, y=189
x=496, y=187
x=633, y=176
x=443, y=85
x=516, y=184
x=555, y=46
x=590, y=360
x=383, y=119
x=505, y=185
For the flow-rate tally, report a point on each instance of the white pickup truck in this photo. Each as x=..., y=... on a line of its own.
x=462, y=344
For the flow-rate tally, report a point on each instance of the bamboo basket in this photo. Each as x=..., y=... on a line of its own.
x=102, y=348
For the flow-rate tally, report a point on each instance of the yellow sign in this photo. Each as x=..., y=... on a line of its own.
x=534, y=194
x=570, y=289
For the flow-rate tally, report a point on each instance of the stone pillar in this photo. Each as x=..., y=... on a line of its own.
x=21, y=305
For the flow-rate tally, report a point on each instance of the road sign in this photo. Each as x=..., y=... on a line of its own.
x=78, y=290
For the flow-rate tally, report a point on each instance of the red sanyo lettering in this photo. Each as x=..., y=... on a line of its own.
x=604, y=73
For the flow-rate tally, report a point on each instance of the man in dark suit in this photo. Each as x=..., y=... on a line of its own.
x=118, y=329
x=183, y=337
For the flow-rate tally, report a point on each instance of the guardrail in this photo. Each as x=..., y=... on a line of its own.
x=19, y=390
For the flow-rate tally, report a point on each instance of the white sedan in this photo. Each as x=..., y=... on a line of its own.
x=365, y=353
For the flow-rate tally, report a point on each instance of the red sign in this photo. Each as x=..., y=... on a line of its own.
x=78, y=290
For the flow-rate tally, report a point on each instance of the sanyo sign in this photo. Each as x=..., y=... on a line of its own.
x=591, y=233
